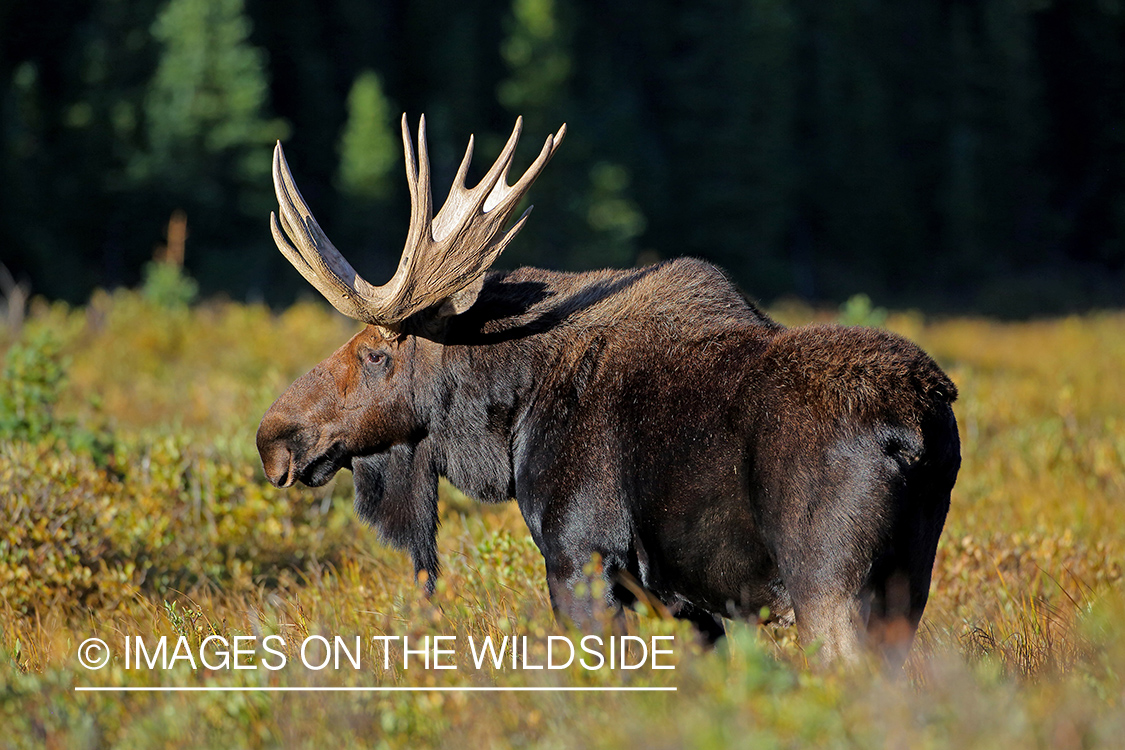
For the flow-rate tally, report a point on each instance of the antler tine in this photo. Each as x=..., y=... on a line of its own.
x=418, y=182
x=463, y=170
x=517, y=190
x=503, y=191
x=462, y=203
x=462, y=239
x=408, y=151
x=497, y=177
x=521, y=187
x=302, y=241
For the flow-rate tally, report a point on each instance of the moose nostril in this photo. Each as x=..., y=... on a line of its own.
x=278, y=465
x=273, y=447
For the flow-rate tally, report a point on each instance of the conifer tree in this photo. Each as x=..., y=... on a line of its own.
x=370, y=156
x=205, y=109
x=591, y=219
x=536, y=54
x=368, y=147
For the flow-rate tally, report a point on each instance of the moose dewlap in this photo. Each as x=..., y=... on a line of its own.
x=713, y=459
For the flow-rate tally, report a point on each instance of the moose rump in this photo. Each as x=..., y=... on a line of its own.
x=715, y=461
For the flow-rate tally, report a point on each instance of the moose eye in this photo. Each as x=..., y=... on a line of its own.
x=376, y=357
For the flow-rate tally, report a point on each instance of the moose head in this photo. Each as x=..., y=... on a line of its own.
x=360, y=401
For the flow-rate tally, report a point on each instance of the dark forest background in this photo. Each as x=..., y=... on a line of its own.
x=946, y=155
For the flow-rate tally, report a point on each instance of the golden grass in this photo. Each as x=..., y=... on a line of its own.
x=1022, y=644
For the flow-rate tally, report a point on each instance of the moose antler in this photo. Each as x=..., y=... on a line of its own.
x=443, y=254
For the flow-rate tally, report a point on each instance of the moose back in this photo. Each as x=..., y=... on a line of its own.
x=712, y=459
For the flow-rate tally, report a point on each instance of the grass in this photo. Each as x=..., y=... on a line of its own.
x=134, y=506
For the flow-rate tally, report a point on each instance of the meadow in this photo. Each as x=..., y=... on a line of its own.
x=133, y=505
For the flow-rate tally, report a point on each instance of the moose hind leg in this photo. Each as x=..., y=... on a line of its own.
x=838, y=522
x=899, y=583
x=828, y=602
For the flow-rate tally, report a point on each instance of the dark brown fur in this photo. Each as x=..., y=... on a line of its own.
x=655, y=418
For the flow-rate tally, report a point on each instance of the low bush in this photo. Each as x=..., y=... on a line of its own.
x=76, y=535
x=177, y=532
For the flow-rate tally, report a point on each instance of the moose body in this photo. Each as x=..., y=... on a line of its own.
x=656, y=420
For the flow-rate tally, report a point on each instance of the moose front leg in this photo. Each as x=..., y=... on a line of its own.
x=581, y=585
x=587, y=587
x=584, y=557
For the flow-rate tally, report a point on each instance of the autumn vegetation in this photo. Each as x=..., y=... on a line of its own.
x=134, y=504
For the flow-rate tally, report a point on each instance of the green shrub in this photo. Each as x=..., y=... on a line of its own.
x=168, y=285
x=74, y=534
x=35, y=374
x=858, y=311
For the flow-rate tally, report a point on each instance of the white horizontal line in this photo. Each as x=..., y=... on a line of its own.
x=385, y=689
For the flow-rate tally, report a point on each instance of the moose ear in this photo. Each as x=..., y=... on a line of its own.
x=432, y=324
x=396, y=492
x=462, y=300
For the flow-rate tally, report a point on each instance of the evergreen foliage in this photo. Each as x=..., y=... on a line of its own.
x=204, y=107
x=368, y=147
x=934, y=154
x=535, y=51
x=166, y=285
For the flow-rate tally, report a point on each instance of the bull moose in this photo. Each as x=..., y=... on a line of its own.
x=716, y=461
